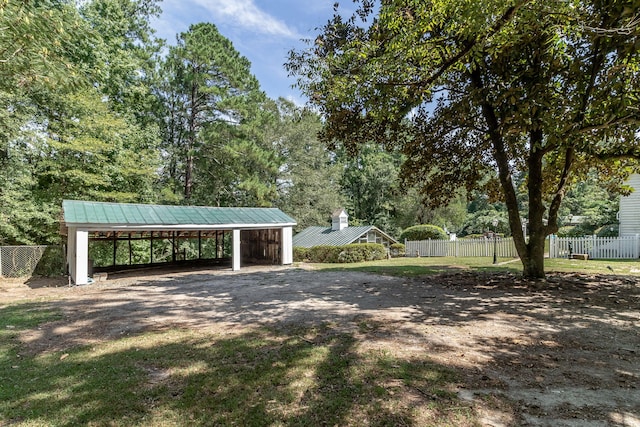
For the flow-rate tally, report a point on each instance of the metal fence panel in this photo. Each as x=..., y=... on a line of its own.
x=19, y=261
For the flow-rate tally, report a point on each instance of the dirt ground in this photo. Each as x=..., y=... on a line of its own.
x=563, y=352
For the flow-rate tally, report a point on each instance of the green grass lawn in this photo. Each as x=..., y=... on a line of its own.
x=180, y=377
x=278, y=377
x=433, y=265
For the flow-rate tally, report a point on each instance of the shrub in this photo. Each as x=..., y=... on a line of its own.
x=610, y=230
x=361, y=252
x=423, y=232
x=341, y=254
x=324, y=253
x=474, y=236
x=300, y=254
x=52, y=262
x=397, y=249
x=575, y=231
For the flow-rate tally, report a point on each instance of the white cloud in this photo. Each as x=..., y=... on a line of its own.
x=246, y=14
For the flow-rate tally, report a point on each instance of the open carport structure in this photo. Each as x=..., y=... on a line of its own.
x=258, y=234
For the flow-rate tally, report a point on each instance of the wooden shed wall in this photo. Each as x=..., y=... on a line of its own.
x=261, y=246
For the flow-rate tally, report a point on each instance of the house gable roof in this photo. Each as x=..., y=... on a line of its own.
x=317, y=236
x=128, y=215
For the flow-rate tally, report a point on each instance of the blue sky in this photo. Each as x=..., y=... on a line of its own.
x=262, y=30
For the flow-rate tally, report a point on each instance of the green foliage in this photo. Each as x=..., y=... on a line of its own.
x=371, y=185
x=40, y=43
x=481, y=220
x=575, y=231
x=125, y=55
x=300, y=254
x=591, y=200
x=397, y=249
x=89, y=108
x=66, y=138
x=213, y=112
x=309, y=188
x=52, y=263
x=519, y=92
x=357, y=252
x=609, y=230
x=139, y=251
x=474, y=236
x=324, y=253
x=423, y=232
x=362, y=252
x=238, y=165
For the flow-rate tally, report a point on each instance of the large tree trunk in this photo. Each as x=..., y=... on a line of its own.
x=533, y=262
x=531, y=253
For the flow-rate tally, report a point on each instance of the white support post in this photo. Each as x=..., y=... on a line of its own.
x=235, y=258
x=71, y=252
x=287, y=245
x=78, y=256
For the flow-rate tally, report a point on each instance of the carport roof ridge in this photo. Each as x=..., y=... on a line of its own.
x=85, y=213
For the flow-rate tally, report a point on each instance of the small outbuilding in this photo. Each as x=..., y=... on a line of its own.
x=340, y=233
x=256, y=234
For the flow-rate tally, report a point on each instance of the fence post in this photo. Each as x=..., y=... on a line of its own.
x=620, y=246
x=1, y=261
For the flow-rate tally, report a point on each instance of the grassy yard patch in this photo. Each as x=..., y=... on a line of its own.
x=409, y=267
x=611, y=266
x=305, y=376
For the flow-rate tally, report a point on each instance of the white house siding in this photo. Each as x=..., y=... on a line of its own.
x=629, y=214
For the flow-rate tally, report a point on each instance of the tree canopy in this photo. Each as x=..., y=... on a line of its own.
x=94, y=106
x=477, y=93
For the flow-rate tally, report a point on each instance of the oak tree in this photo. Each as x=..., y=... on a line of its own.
x=543, y=90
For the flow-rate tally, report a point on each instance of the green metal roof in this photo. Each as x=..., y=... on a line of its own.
x=79, y=213
x=316, y=236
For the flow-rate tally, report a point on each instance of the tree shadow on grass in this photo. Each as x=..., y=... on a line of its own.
x=566, y=347
x=299, y=376
x=418, y=269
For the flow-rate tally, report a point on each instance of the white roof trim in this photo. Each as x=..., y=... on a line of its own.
x=176, y=227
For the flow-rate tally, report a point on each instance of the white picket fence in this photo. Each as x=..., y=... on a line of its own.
x=624, y=247
x=504, y=248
